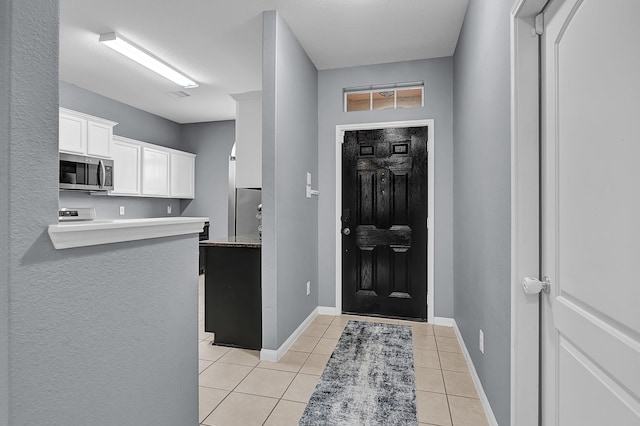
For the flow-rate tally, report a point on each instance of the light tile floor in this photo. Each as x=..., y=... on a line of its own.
x=236, y=388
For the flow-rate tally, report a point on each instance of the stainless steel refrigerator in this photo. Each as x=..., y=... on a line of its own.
x=246, y=209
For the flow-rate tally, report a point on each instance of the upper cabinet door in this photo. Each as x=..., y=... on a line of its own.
x=155, y=172
x=182, y=175
x=126, y=166
x=85, y=134
x=99, y=139
x=146, y=170
x=73, y=134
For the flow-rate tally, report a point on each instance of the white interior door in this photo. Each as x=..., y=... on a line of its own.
x=591, y=213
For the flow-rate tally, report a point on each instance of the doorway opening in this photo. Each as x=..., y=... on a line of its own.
x=340, y=134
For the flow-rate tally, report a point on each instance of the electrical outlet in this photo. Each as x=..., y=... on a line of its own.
x=308, y=288
x=481, y=341
x=121, y=210
x=168, y=208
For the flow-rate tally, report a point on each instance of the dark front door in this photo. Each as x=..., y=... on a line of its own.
x=384, y=222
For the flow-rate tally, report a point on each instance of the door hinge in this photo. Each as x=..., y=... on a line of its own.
x=427, y=223
x=539, y=24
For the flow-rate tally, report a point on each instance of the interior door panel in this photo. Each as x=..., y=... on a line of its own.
x=590, y=369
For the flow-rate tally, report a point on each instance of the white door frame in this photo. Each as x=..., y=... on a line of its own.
x=340, y=129
x=525, y=202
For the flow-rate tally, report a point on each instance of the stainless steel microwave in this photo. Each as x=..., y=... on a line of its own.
x=81, y=173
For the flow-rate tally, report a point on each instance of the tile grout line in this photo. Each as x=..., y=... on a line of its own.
x=444, y=383
x=214, y=408
x=250, y=371
x=280, y=399
x=272, y=410
x=231, y=391
x=297, y=373
x=226, y=396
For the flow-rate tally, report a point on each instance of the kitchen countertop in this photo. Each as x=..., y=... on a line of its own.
x=88, y=233
x=240, y=241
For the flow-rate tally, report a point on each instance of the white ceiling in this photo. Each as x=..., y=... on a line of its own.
x=219, y=44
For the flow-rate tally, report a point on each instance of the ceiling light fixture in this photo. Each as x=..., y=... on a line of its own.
x=134, y=53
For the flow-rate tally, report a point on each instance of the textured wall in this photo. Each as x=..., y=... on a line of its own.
x=481, y=185
x=290, y=147
x=212, y=143
x=106, y=335
x=437, y=75
x=5, y=134
x=101, y=335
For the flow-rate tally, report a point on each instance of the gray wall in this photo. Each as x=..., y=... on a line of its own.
x=108, y=207
x=437, y=75
x=212, y=143
x=5, y=133
x=101, y=335
x=481, y=187
x=290, y=147
x=132, y=123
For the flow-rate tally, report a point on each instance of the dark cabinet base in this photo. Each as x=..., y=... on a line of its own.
x=202, y=261
x=233, y=296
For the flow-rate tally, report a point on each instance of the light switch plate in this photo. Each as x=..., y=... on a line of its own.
x=121, y=210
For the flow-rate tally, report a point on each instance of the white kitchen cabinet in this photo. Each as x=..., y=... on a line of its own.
x=126, y=165
x=72, y=134
x=155, y=172
x=182, y=175
x=142, y=169
x=85, y=134
x=99, y=138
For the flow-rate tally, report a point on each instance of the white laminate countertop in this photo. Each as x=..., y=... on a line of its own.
x=80, y=234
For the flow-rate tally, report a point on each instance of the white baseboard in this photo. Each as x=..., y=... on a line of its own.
x=447, y=322
x=491, y=418
x=268, y=355
x=275, y=355
x=328, y=310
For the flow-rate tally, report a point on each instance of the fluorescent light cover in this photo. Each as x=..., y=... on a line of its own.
x=133, y=52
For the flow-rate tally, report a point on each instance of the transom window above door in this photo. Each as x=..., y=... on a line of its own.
x=408, y=95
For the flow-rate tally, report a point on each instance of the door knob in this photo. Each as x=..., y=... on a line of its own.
x=346, y=231
x=534, y=286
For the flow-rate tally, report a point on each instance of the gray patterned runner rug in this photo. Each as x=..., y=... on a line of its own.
x=369, y=379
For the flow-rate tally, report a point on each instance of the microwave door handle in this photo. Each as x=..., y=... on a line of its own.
x=101, y=174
